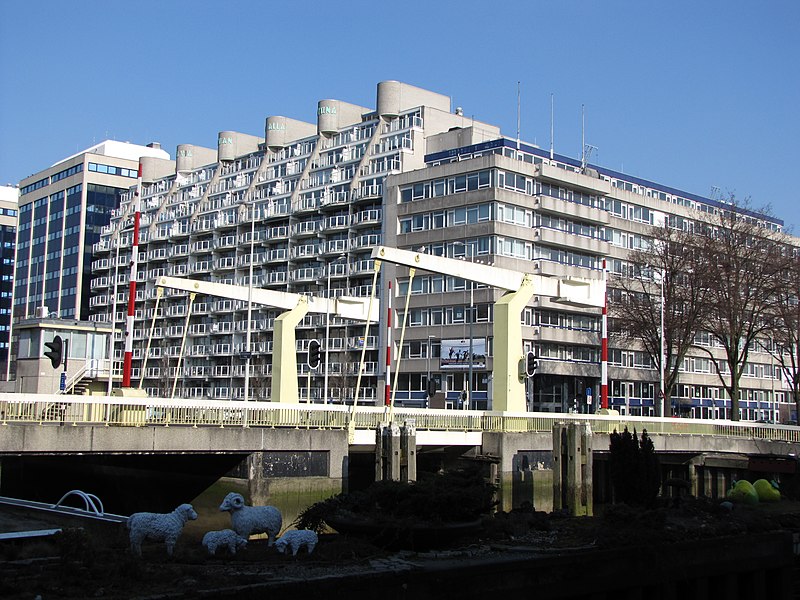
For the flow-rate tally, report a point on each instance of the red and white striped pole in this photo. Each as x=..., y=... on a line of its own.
x=137, y=206
x=388, y=399
x=604, y=343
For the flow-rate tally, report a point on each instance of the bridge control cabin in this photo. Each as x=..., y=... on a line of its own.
x=81, y=357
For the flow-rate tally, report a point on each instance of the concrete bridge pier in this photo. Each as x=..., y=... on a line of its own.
x=572, y=468
x=545, y=480
x=291, y=474
x=396, y=452
x=711, y=475
x=524, y=470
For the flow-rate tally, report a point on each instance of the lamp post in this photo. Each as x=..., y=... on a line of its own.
x=662, y=350
x=428, y=380
x=328, y=326
x=663, y=353
x=249, y=306
x=471, y=250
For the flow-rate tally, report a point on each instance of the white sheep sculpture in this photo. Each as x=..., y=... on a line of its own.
x=159, y=527
x=296, y=539
x=249, y=520
x=226, y=538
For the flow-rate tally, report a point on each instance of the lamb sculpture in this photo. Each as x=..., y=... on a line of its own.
x=296, y=539
x=227, y=538
x=248, y=520
x=159, y=527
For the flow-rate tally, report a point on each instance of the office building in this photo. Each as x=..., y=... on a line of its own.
x=61, y=212
x=304, y=206
x=9, y=201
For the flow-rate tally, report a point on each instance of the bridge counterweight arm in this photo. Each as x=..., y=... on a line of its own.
x=347, y=307
x=504, y=279
x=571, y=290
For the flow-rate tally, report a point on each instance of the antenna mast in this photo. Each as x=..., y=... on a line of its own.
x=518, y=116
x=583, y=138
x=586, y=149
x=551, y=125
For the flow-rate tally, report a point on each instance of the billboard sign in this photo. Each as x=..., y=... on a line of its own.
x=455, y=355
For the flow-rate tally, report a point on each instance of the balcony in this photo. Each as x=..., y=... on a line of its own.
x=307, y=228
x=368, y=241
x=593, y=185
x=178, y=270
x=276, y=277
x=99, y=283
x=200, y=267
x=226, y=242
x=225, y=263
x=179, y=251
x=278, y=255
x=578, y=212
x=337, y=222
x=368, y=192
x=554, y=237
x=368, y=217
x=305, y=274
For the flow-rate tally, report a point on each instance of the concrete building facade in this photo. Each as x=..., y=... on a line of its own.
x=304, y=206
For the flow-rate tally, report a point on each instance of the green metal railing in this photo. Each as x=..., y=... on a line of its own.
x=153, y=412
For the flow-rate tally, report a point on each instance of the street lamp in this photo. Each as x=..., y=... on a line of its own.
x=428, y=380
x=471, y=249
x=328, y=326
x=663, y=350
x=247, y=352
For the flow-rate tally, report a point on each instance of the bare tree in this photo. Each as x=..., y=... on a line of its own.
x=669, y=260
x=164, y=381
x=341, y=380
x=741, y=266
x=259, y=363
x=785, y=333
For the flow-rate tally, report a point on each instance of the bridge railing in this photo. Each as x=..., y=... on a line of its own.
x=46, y=409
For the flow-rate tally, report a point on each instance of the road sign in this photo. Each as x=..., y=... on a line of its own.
x=63, y=385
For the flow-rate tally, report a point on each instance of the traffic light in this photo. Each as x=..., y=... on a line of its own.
x=530, y=364
x=314, y=354
x=56, y=349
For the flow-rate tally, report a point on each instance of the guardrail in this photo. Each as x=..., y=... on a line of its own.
x=46, y=409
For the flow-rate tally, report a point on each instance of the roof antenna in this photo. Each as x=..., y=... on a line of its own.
x=551, y=125
x=586, y=149
x=518, y=114
x=583, y=138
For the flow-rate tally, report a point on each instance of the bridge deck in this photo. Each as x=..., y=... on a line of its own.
x=434, y=427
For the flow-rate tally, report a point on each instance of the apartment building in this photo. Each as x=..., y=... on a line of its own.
x=300, y=209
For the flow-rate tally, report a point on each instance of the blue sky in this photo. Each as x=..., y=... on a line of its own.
x=690, y=94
